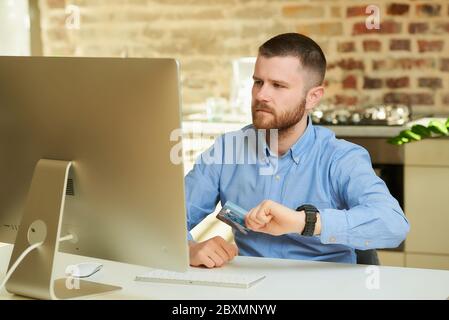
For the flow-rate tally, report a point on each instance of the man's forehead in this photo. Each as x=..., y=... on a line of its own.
x=279, y=67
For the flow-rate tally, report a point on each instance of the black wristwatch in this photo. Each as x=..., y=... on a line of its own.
x=311, y=213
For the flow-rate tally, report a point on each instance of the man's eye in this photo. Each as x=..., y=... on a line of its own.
x=277, y=85
x=257, y=82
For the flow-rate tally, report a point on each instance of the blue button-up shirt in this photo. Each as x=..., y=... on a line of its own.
x=336, y=176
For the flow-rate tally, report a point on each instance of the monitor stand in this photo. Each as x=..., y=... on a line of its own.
x=41, y=221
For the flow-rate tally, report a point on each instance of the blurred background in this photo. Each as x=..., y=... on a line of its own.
x=388, y=67
x=405, y=61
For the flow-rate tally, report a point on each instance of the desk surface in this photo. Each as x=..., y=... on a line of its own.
x=285, y=279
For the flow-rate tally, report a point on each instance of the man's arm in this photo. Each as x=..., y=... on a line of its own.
x=202, y=195
x=202, y=192
x=373, y=219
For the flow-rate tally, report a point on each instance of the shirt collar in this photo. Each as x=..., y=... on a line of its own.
x=301, y=146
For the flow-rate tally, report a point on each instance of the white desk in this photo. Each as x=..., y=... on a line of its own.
x=285, y=279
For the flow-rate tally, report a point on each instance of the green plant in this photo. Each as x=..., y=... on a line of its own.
x=418, y=132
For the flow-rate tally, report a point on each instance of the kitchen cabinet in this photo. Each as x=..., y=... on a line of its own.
x=391, y=258
x=427, y=261
x=426, y=202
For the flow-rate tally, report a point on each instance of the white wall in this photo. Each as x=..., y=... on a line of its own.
x=14, y=27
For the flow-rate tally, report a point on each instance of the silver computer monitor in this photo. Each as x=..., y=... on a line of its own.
x=112, y=118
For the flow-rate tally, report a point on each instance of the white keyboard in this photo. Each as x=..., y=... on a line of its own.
x=200, y=277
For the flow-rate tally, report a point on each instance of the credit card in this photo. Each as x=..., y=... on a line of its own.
x=234, y=216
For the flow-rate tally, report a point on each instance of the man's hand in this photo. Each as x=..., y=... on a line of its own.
x=211, y=253
x=275, y=219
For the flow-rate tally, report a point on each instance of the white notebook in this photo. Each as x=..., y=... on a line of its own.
x=201, y=277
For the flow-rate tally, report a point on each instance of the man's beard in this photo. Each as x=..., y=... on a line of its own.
x=283, y=122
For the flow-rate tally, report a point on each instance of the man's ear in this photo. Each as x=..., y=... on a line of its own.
x=313, y=97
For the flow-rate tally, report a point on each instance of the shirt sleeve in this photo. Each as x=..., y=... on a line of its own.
x=202, y=186
x=372, y=217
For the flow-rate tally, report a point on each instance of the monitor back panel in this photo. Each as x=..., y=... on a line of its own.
x=113, y=118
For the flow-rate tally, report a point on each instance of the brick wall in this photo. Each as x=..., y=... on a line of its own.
x=406, y=60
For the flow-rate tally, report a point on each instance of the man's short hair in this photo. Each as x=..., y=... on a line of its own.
x=308, y=51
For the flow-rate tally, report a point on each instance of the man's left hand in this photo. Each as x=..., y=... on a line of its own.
x=275, y=219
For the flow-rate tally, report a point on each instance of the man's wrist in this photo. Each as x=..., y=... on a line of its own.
x=317, y=230
x=301, y=221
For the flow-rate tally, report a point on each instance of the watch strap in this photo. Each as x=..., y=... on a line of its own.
x=311, y=218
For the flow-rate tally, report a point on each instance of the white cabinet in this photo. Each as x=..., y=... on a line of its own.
x=426, y=202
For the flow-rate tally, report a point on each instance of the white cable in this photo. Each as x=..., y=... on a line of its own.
x=65, y=238
x=23, y=255
x=18, y=261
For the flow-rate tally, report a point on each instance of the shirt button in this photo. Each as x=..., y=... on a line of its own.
x=332, y=240
x=277, y=177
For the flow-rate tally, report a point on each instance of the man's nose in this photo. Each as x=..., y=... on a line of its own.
x=262, y=94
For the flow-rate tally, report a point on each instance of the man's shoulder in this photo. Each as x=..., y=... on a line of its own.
x=238, y=134
x=244, y=130
x=334, y=146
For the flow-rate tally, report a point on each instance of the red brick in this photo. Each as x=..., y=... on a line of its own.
x=331, y=65
x=303, y=11
x=402, y=82
x=446, y=100
x=397, y=97
x=351, y=64
x=428, y=10
x=379, y=64
x=336, y=12
x=403, y=64
x=56, y=4
x=422, y=98
x=319, y=29
x=356, y=11
x=431, y=45
x=345, y=100
x=442, y=27
x=407, y=63
x=444, y=64
x=432, y=83
x=346, y=46
x=372, y=83
x=371, y=45
x=418, y=27
x=400, y=44
x=350, y=82
x=398, y=9
x=387, y=27
x=409, y=99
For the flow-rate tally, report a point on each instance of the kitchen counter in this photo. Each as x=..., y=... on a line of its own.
x=366, y=131
x=230, y=122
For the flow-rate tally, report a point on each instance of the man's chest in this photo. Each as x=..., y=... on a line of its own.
x=291, y=185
